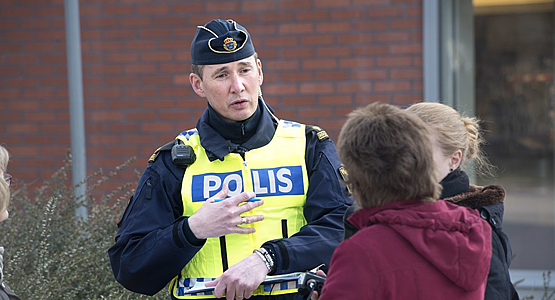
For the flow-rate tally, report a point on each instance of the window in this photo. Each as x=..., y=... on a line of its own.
x=515, y=98
x=495, y=59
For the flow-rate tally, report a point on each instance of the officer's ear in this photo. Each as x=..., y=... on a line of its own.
x=260, y=73
x=196, y=84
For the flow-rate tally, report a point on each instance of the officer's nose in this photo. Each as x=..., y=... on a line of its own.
x=237, y=85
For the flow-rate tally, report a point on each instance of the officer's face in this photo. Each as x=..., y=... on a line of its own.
x=231, y=88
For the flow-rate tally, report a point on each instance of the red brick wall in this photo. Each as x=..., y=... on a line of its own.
x=321, y=59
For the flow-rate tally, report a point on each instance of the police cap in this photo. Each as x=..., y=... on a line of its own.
x=220, y=42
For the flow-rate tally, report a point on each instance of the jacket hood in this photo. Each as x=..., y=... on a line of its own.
x=454, y=239
x=478, y=196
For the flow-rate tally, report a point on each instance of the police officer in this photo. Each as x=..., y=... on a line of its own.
x=241, y=196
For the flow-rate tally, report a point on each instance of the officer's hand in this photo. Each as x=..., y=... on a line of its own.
x=315, y=295
x=215, y=219
x=240, y=281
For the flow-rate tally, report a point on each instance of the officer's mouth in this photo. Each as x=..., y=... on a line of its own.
x=239, y=104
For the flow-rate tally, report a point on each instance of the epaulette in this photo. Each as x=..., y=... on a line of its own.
x=166, y=147
x=345, y=177
x=320, y=133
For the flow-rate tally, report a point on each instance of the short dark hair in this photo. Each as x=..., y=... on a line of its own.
x=197, y=69
x=388, y=155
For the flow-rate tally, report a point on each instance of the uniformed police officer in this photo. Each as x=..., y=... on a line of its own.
x=241, y=196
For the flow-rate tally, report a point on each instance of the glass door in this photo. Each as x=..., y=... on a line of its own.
x=515, y=99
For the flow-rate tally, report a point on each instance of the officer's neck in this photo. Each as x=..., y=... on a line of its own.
x=236, y=132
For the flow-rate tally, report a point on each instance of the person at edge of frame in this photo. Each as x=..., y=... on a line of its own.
x=6, y=293
x=280, y=181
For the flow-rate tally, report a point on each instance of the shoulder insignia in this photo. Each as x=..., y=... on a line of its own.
x=320, y=133
x=343, y=173
x=167, y=146
x=345, y=176
x=154, y=155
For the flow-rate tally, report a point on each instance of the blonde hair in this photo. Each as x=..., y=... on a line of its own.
x=4, y=188
x=388, y=155
x=455, y=132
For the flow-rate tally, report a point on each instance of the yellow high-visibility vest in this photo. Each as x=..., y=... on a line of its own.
x=276, y=173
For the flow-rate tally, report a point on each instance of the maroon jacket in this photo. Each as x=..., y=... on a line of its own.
x=412, y=250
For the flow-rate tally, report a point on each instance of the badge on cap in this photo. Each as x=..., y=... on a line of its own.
x=220, y=42
x=230, y=44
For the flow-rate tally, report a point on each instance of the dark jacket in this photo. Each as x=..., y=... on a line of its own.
x=489, y=202
x=6, y=292
x=154, y=242
x=412, y=250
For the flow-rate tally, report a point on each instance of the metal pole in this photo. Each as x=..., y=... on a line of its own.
x=552, y=95
x=431, y=57
x=76, y=111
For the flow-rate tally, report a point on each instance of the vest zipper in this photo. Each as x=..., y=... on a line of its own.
x=242, y=151
x=251, y=187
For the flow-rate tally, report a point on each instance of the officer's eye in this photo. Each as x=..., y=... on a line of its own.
x=221, y=76
x=245, y=71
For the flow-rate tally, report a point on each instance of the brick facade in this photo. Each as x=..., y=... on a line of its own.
x=321, y=59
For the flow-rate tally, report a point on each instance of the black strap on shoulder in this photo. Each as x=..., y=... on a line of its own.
x=166, y=147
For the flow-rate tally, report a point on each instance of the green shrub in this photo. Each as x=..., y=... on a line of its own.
x=50, y=253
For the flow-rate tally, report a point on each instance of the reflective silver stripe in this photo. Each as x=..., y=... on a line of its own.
x=184, y=284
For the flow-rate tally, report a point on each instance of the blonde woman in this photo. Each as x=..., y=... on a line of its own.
x=5, y=179
x=459, y=139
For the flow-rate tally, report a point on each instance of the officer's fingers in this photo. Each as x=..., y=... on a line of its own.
x=251, y=219
x=244, y=196
x=248, y=206
x=213, y=282
x=221, y=194
x=219, y=290
x=230, y=292
x=314, y=296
